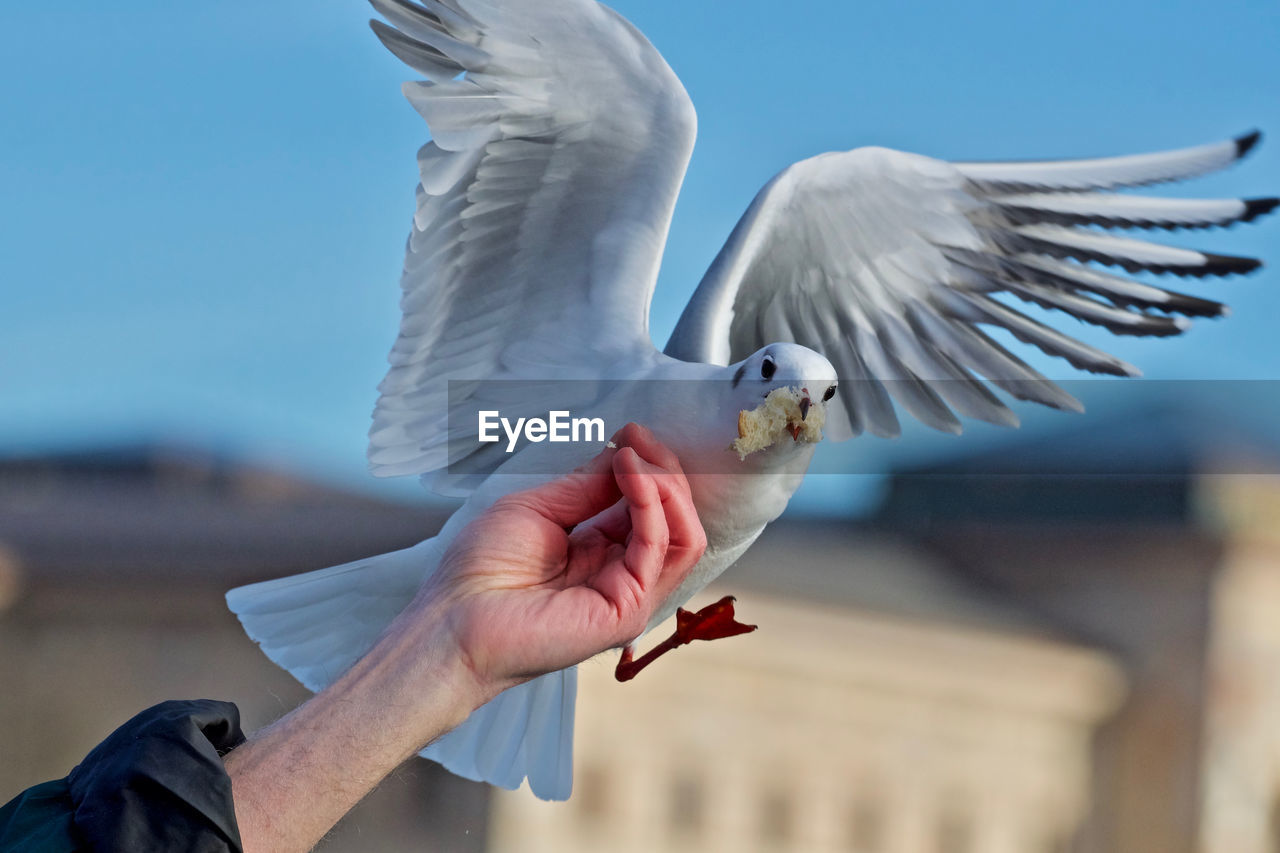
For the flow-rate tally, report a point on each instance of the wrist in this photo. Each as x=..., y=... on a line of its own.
x=415, y=680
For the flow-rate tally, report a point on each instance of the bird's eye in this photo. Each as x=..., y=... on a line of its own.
x=831, y=392
x=768, y=367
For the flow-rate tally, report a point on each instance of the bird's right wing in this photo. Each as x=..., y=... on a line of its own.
x=559, y=141
x=891, y=264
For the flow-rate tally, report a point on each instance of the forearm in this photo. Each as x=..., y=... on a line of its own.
x=293, y=780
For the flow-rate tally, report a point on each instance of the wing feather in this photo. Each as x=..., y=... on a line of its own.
x=1134, y=170
x=890, y=263
x=559, y=138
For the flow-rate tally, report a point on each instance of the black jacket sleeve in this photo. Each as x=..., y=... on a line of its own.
x=157, y=783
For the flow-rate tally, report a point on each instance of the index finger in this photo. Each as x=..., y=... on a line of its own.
x=647, y=446
x=663, y=522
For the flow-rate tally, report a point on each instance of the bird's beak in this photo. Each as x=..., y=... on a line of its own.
x=804, y=407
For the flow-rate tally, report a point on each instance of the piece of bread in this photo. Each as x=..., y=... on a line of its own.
x=777, y=416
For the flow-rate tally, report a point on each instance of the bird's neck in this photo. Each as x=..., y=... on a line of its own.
x=734, y=508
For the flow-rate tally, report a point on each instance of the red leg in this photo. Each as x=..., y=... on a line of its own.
x=713, y=622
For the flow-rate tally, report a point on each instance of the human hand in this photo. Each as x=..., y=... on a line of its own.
x=544, y=579
x=548, y=577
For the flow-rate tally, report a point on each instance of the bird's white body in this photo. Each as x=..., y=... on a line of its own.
x=560, y=138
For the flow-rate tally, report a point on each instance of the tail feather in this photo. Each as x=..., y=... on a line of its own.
x=551, y=753
x=316, y=625
x=526, y=731
x=500, y=754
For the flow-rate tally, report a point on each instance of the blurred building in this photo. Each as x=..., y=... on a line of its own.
x=1068, y=645
x=881, y=706
x=1153, y=535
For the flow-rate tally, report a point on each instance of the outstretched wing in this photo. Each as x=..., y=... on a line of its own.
x=559, y=141
x=889, y=263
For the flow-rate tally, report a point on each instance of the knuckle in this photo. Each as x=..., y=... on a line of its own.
x=699, y=543
x=507, y=504
x=655, y=551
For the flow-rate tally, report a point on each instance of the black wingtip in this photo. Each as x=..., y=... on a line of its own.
x=1194, y=306
x=1255, y=207
x=1245, y=144
x=1226, y=265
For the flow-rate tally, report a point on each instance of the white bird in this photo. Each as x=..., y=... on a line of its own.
x=559, y=139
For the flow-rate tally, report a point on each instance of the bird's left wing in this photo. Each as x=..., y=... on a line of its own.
x=559, y=138
x=890, y=263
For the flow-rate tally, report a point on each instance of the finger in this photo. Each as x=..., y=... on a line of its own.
x=647, y=549
x=599, y=544
x=673, y=487
x=650, y=449
x=686, y=538
x=574, y=498
x=614, y=523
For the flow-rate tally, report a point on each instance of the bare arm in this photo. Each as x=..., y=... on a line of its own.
x=543, y=580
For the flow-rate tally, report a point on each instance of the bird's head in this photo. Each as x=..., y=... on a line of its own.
x=806, y=383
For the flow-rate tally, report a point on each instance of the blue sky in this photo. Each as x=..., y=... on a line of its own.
x=203, y=206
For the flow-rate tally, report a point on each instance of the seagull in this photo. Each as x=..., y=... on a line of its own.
x=559, y=138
